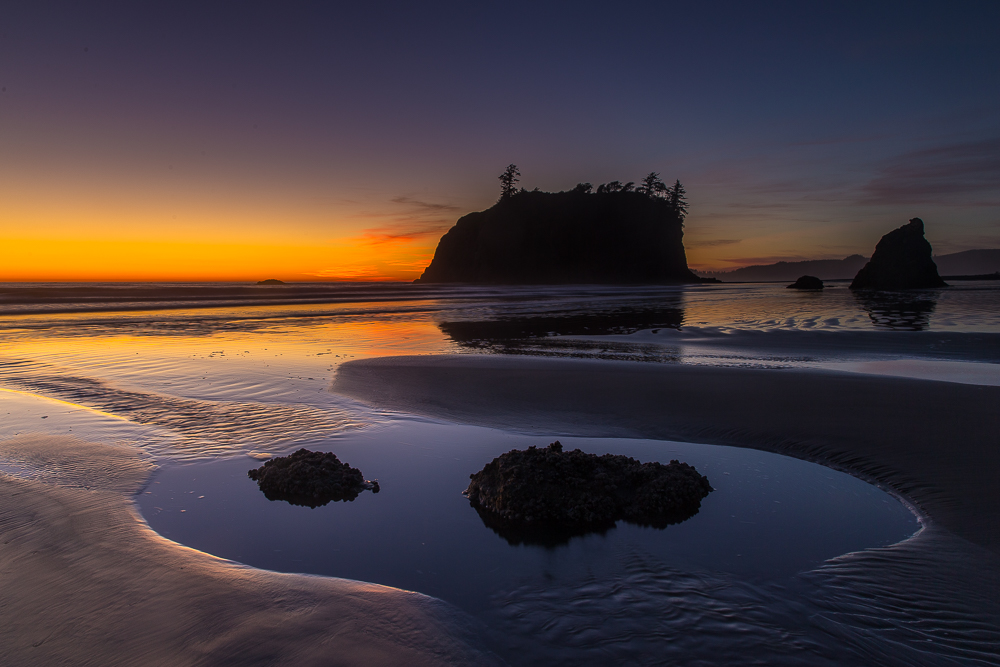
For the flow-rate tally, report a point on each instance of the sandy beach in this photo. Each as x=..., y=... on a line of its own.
x=84, y=581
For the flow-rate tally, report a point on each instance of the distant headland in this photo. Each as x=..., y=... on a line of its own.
x=620, y=233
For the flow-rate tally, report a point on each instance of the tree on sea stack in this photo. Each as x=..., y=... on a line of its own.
x=652, y=186
x=508, y=178
x=675, y=195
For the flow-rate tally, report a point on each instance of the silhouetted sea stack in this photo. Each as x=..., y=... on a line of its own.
x=310, y=478
x=807, y=282
x=565, y=237
x=902, y=260
x=550, y=488
x=271, y=281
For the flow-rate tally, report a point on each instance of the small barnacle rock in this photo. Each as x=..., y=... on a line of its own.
x=310, y=478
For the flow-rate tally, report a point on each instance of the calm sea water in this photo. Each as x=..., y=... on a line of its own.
x=211, y=379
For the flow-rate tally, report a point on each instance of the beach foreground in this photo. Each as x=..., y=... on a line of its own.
x=84, y=581
x=936, y=444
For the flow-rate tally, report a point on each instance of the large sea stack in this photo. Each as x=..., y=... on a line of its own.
x=565, y=237
x=902, y=260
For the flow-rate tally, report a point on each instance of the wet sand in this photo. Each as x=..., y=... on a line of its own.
x=84, y=581
x=933, y=599
x=936, y=444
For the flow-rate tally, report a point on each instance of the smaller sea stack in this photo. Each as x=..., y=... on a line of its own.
x=902, y=260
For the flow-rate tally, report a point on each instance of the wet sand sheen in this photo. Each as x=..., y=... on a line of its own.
x=111, y=590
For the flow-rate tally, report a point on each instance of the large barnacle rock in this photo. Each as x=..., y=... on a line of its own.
x=310, y=478
x=548, y=495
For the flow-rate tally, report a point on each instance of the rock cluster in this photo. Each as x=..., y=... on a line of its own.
x=902, y=260
x=310, y=478
x=807, y=282
x=551, y=488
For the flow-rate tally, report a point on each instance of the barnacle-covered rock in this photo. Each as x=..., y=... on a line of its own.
x=310, y=478
x=544, y=495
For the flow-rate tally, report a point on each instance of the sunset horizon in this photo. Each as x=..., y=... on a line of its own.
x=500, y=334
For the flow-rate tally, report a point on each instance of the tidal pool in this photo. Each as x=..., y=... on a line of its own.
x=769, y=517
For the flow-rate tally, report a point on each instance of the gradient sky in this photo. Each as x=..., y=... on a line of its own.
x=307, y=141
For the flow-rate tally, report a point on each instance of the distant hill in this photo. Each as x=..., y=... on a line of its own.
x=569, y=237
x=824, y=269
x=969, y=262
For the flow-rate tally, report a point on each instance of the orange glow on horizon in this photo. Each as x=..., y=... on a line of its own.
x=91, y=230
x=100, y=260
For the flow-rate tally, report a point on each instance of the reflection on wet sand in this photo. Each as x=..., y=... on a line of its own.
x=535, y=325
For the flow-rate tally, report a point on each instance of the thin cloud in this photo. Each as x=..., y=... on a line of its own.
x=403, y=233
x=959, y=173
x=840, y=140
x=349, y=274
x=712, y=242
x=773, y=259
x=424, y=205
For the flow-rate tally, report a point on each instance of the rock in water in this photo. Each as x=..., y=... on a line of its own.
x=902, y=260
x=271, y=281
x=310, y=478
x=807, y=282
x=550, y=488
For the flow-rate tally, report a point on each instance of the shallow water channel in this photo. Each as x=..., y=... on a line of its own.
x=769, y=517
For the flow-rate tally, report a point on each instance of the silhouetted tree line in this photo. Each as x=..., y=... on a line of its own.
x=651, y=186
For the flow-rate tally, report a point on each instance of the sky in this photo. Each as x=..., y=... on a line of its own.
x=334, y=141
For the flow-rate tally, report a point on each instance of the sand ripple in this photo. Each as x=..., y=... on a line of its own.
x=206, y=428
x=903, y=606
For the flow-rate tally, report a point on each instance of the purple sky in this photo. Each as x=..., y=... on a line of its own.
x=800, y=129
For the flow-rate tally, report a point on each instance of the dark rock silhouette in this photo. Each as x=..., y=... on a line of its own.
x=271, y=281
x=577, y=236
x=902, y=260
x=310, y=478
x=807, y=282
x=538, y=495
